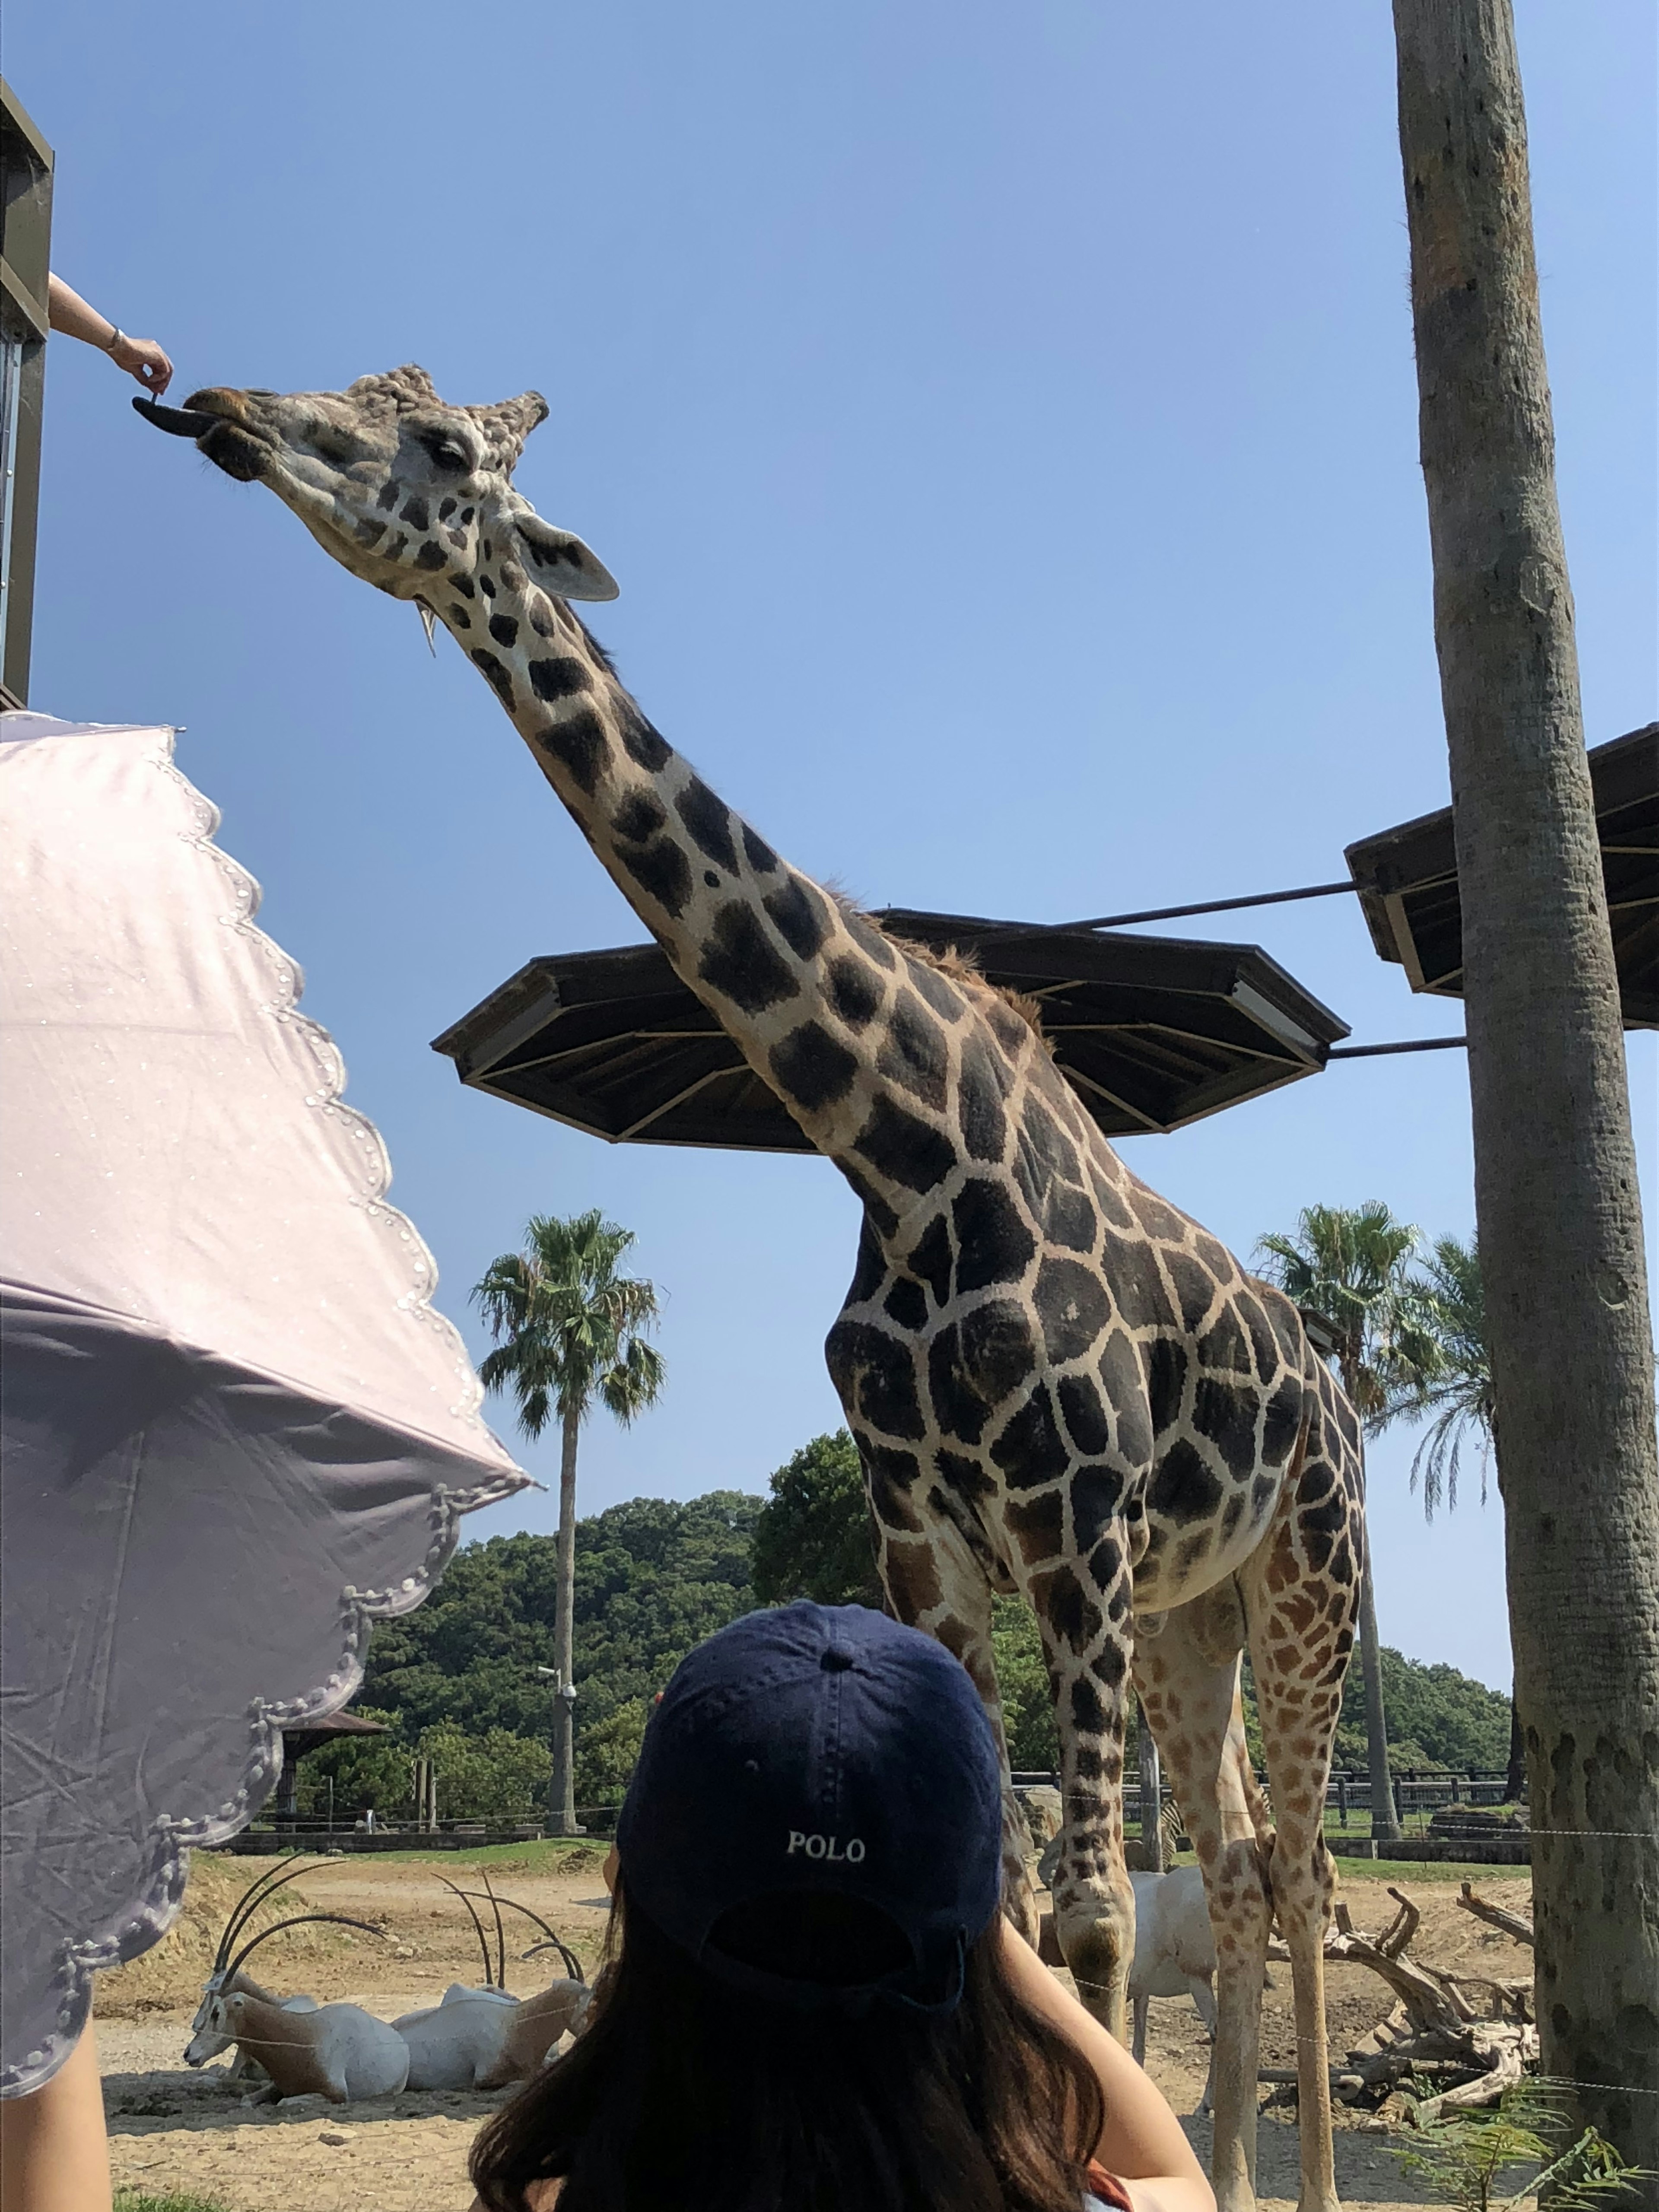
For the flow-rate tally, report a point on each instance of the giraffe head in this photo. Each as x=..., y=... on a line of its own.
x=402, y=490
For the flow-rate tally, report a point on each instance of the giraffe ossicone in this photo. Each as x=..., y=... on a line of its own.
x=1060, y=1385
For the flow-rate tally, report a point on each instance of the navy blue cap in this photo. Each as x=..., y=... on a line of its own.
x=819, y=1747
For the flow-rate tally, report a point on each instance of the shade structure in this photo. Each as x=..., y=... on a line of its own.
x=235, y=1428
x=1153, y=1032
x=1407, y=882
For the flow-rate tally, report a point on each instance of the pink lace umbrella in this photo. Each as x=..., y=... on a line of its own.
x=235, y=1427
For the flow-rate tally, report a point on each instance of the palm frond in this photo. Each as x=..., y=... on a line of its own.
x=564, y=1319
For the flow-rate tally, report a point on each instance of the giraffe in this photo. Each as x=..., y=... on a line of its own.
x=1059, y=1384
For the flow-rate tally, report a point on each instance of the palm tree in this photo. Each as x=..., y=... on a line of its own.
x=569, y=1328
x=1456, y=1397
x=1461, y=1405
x=1347, y=1267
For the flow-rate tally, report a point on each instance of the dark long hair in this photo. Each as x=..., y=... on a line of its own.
x=684, y=2091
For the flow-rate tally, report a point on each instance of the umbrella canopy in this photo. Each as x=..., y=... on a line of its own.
x=1153, y=1032
x=235, y=1427
x=1407, y=882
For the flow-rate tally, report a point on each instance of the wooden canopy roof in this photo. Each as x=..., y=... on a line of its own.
x=1407, y=882
x=312, y=1735
x=1153, y=1032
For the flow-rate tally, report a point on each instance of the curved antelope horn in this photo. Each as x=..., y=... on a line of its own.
x=500, y=1932
x=249, y=1902
x=300, y=1920
x=567, y=1956
x=553, y=1943
x=489, y=1979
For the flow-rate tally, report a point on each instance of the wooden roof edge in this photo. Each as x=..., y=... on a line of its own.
x=1620, y=772
x=338, y=1724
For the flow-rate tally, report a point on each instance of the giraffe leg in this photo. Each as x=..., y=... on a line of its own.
x=1094, y=1898
x=1187, y=1680
x=1302, y=1594
x=934, y=1581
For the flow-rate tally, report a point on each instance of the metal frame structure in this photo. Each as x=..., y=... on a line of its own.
x=25, y=266
x=1407, y=878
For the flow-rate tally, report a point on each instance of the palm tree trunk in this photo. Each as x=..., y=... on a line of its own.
x=1151, y=1797
x=1385, y=1820
x=563, y=1793
x=1556, y=1193
x=1514, y=1782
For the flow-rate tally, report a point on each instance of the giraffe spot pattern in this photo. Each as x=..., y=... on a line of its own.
x=1072, y=1306
x=902, y=1148
x=640, y=816
x=1225, y=1416
x=1031, y=1450
x=1083, y=1415
x=661, y=870
x=854, y=996
x=758, y=854
x=739, y=962
x=913, y=1052
x=812, y=1068
x=977, y=1363
x=504, y=629
x=644, y=744
x=932, y=1259
x=993, y=1243
x=501, y=682
x=579, y=741
x=710, y=821
x=800, y=916
x=979, y=1094
x=875, y=1374
x=416, y=513
x=561, y=677
x=1184, y=1487
x=906, y=1303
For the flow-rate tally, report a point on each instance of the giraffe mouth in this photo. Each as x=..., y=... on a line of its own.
x=230, y=446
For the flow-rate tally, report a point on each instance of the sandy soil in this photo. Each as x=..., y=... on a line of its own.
x=173, y=2128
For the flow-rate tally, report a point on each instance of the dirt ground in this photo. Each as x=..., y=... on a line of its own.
x=173, y=2127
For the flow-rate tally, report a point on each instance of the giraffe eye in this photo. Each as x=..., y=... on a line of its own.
x=449, y=456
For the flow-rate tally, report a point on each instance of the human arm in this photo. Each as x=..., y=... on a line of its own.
x=1142, y=2142
x=66, y=311
x=54, y=2152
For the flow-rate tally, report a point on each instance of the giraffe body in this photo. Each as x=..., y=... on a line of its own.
x=1060, y=1385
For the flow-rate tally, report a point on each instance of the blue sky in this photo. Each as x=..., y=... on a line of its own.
x=1002, y=424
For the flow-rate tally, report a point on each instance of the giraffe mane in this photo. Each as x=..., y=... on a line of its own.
x=959, y=963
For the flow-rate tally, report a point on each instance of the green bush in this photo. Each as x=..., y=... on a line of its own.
x=607, y=1753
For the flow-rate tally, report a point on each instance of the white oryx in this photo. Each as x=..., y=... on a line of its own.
x=1174, y=1949
x=484, y=2038
x=339, y=2050
x=204, y=2043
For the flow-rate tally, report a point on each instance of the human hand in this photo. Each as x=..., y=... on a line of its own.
x=144, y=361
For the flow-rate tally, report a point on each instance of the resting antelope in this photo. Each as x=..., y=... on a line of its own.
x=337, y=2050
x=483, y=2039
x=204, y=2044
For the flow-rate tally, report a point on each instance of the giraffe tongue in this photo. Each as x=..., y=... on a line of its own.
x=177, y=421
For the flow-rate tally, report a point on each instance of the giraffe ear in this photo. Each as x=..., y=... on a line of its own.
x=562, y=564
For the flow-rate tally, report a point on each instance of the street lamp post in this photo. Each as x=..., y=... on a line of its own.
x=565, y=1731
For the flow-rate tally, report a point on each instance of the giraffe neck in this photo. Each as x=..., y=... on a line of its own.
x=808, y=990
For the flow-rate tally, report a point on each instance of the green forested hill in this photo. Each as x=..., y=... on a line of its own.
x=457, y=1678
x=653, y=1578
